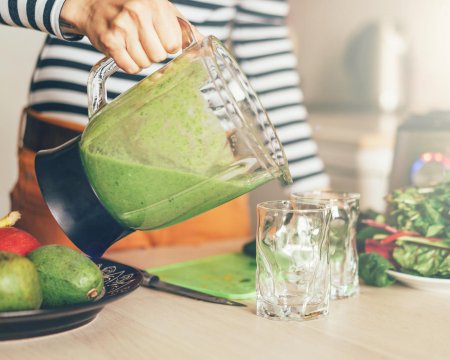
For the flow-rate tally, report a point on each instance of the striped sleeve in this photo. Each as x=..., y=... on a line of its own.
x=261, y=44
x=42, y=15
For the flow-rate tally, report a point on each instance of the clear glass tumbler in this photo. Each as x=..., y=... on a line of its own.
x=292, y=255
x=343, y=253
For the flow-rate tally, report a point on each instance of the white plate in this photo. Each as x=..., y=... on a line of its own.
x=422, y=283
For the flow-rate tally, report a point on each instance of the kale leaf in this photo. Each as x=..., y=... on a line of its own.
x=422, y=260
x=372, y=269
x=422, y=210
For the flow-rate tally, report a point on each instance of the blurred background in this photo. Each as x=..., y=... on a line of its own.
x=367, y=67
x=325, y=31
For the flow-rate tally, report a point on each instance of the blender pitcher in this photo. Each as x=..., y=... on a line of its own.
x=187, y=138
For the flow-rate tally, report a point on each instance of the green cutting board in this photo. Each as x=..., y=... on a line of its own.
x=229, y=275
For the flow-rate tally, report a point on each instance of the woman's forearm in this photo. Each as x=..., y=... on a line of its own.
x=41, y=15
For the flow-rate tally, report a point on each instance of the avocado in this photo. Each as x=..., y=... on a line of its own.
x=19, y=283
x=67, y=277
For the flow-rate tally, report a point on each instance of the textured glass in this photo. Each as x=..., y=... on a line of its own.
x=343, y=253
x=293, y=269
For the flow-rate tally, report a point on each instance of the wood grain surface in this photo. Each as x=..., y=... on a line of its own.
x=392, y=323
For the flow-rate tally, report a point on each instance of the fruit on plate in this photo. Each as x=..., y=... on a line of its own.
x=67, y=277
x=13, y=239
x=19, y=283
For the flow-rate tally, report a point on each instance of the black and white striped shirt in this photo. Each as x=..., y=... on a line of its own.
x=255, y=30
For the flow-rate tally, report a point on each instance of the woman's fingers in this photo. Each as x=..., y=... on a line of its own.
x=177, y=12
x=134, y=33
x=125, y=62
x=124, y=27
x=168, y=29
x=150, y=41
x=112, y=43
x=143, y=41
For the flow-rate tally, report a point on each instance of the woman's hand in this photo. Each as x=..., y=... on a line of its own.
x=135, y=33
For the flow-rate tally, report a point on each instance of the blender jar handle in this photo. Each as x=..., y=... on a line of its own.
x=101, y=71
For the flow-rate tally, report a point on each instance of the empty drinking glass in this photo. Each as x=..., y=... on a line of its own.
x=293, y=269
x=343, y=253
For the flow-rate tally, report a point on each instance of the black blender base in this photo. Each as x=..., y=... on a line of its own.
x=72, y=201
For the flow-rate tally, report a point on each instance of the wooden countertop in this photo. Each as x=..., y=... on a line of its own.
x=391, y=323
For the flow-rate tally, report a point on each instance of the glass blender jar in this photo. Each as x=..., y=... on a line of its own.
x=187, y=138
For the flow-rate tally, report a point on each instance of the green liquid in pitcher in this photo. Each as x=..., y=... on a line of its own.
x=148, y=197
x=157, y=155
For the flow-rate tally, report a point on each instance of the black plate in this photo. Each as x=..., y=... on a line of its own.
x=119, y=280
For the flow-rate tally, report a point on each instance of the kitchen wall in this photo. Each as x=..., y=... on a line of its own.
x=18, y=53
x=323, y=28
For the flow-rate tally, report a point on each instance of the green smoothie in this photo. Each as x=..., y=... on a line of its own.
x=157, y=155
x=147, y=197
x=162, y=120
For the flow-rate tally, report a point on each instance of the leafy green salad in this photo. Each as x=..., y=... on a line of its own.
x=413, y=238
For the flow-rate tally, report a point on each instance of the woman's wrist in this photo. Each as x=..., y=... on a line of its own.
x=69, y=19
x=67, y=28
